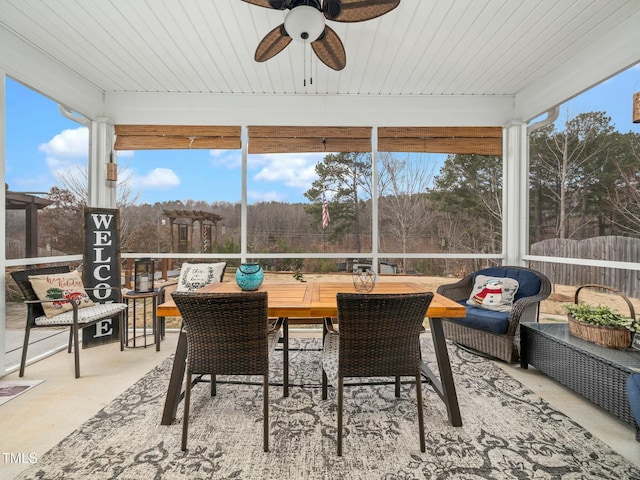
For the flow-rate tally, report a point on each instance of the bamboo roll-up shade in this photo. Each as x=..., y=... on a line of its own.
x=456, y=140
x=170, y=137
x=270, y=139
x=636, y=107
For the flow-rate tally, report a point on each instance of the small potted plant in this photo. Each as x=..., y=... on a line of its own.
x=601, y=324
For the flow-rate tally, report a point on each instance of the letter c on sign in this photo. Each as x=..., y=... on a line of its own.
x=96, y=273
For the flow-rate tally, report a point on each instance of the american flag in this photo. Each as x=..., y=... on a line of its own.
x=325, y=212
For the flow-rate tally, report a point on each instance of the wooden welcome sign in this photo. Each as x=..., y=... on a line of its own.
x=102, y=269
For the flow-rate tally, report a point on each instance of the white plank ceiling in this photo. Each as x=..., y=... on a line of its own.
x=422, y=48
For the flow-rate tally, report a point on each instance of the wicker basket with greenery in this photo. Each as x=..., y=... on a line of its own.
x=601, y=324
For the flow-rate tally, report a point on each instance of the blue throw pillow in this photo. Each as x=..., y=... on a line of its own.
x=633, y=393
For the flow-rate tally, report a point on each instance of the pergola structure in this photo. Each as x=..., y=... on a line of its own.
x=184, y=72
x=182, y=228
x=30, y=204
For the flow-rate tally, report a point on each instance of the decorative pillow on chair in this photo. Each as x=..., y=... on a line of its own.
x=197, y=275
x=60, y=286
x=493, y=293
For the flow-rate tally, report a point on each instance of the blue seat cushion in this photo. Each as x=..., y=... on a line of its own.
x=633, y=394
x=528, y=282
x=483, y=319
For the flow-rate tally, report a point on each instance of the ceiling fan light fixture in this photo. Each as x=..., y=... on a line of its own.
x=304, y=23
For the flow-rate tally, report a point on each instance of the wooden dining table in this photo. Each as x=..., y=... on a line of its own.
x=311, y=303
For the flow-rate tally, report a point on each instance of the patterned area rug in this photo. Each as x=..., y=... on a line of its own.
x=508, y=432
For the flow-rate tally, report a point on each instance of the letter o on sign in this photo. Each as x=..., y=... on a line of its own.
x=102, y=294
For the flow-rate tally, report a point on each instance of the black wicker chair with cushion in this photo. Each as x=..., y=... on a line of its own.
x=494, y=311
x=76, y=313
x=227, y=334
x=379, y=336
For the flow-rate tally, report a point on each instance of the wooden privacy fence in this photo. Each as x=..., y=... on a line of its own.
x=612, y=248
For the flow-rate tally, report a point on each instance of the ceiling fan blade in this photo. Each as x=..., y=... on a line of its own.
x=272, y=44
x=275, y=4
x=357, y=10
x=330, y=50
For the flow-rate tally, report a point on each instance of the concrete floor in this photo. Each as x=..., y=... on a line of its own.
x=40, y=418
x=614, y=432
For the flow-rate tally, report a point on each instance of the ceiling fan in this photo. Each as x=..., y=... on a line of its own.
x=305, y=22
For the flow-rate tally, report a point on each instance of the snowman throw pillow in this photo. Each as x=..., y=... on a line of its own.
x=493, y=293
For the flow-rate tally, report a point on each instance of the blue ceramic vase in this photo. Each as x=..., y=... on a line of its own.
x=249, y=276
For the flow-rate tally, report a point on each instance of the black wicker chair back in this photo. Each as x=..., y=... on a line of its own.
x=379, y=335
x=227, y=334
x=168, y=288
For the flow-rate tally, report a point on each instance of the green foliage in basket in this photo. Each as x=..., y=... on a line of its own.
x=600, y=315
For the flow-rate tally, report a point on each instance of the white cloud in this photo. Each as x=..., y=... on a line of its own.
x=226, y=158
x=67, y=153
x=256, y=197
x=294, y=170
x=218, y=153
x=68, y=143
x=125, y=153
x=158, y=178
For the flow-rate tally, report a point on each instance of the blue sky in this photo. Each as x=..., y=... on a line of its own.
x=41, y=145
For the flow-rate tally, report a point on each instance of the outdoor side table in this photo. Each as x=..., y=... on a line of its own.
x=137, y=303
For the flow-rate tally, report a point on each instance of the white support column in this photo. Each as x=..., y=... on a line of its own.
x=102, y=192
x=244, y=136
x=515, y=193
x=375, y=261
x=3, y=229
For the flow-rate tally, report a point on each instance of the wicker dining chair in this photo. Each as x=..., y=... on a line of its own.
x=379, y=336
x=217, y=270
x=492, y=333
x=227, y=334
x=76, y=319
